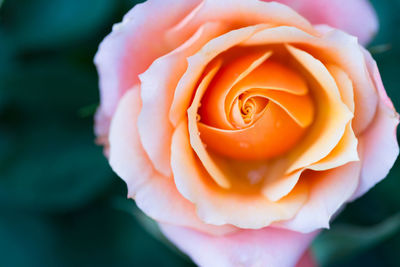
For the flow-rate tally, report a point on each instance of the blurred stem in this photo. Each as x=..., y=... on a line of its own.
x=379, y=49
x=343, y=241
x=147, y=223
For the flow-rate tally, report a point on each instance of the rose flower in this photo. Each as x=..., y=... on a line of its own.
x=241, y=126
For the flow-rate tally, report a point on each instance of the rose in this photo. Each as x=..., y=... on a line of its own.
x=330, y=127
x=239, y=126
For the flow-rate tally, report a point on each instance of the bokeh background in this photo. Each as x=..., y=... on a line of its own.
x=60, y=203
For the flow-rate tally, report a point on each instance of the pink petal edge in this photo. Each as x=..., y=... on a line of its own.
x=356, y=17
x=251, y=248
x=155, y=194
x=120, y=58
x=380, y=146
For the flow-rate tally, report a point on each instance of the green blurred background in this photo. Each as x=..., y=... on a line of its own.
x=61, y=205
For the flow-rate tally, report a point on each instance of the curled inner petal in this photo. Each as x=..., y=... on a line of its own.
x=257, y=112
x=255, y=108
x=247, y=109
x=272, y=135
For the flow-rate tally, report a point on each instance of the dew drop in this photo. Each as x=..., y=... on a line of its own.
x=243, y=145
x=256, y=175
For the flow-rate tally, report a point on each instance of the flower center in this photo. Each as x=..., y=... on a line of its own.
x=255, y=108
x=251, y=109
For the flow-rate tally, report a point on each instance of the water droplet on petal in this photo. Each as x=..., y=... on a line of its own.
x=243, y=144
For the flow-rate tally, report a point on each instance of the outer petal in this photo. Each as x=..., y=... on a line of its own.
x=307, y=260
x=158, y=84
x=131, y=48
x=356, y=17
x=233, y=12
x=251, y=248
x=101, y=129
x=329, y=190
x=155, y=194
x=380, y=147
x=238, y=13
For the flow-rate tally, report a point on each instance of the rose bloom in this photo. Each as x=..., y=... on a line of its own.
x=241, y=126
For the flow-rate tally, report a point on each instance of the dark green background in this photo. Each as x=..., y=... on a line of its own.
x=61, y=205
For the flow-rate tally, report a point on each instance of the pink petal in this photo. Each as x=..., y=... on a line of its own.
x=380, y=147
x=101, y=129
x=158, y=85
x=230, y=12
x=155, y=194
x=133, y=45
x=250, y=248
x=307, y=260
x=329, y=190
x=239, y=13
x=356, y=17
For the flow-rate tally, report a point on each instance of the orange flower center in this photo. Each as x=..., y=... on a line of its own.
x=254, y=108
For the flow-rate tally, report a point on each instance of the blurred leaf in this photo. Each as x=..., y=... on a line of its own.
x=50, y=87
x=128, y=4
x=147, y=223
x=88, y=111
x=48, y=157
x=97, y=236
x=389, y=34
x=44, y=24
x=65, y=171
x=345, y=240
x=7, y=54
